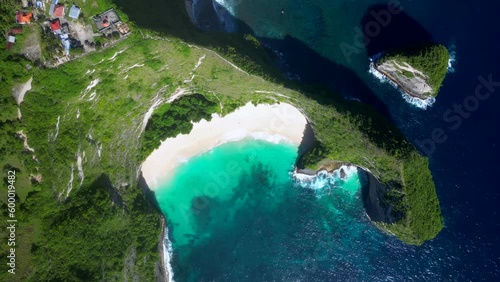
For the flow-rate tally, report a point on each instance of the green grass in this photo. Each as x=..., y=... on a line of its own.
x=432, y=60
x=408, y=74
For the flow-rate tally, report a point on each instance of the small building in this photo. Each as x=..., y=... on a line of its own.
x=52, y=7
x=74, y=12
x=55, y=25
x=16, y=30
x=106, y=20
x=58, y=11
x=23, y=17
x=123, y=28
x=65, y=42
x=39, y=4
x=10, y=41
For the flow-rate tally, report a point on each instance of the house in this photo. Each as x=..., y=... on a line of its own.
x=10, y=41
x=39, y=4
x=106, y=20
x=65, y=42
x=52, y=7
x=23, y=17
x=74, y=12
x=16, y=30
x=55, y=25
x=58, y=11
x=123, y=28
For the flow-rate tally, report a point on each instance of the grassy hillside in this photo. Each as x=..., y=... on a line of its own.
x=88, y=219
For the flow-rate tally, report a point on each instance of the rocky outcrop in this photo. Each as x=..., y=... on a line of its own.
x=410, y=80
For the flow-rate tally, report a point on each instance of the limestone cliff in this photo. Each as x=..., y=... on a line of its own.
x=419, y=71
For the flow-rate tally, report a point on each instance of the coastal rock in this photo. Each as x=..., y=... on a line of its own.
x=375, y=200
x=419, y=72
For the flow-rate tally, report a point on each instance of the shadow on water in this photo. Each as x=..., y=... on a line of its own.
x=313, y=68
x=397, y=31
x=169, y=17
x=321, y=78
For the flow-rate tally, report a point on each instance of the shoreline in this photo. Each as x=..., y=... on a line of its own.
x=417, y=101
x=204, y=15
x=407, y=91
x=273, y=123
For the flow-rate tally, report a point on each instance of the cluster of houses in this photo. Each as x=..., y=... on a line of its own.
x=107, y=23
x=60, y=27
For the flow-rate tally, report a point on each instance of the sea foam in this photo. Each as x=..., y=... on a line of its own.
x=453, y=58
x=324, y=179
x=225, y=12
x=167, y=256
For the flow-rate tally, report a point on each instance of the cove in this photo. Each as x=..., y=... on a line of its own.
x=238, y=213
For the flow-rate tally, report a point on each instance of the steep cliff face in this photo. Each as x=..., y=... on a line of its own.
x=375, y=201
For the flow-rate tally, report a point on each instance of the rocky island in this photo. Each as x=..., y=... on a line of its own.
x=419, y=72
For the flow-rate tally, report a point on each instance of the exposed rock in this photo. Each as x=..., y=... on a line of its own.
x=342, y=173
x=375, y=201
x=411, y=80
x=36, y=179
x=20, y=90
x=21, y=136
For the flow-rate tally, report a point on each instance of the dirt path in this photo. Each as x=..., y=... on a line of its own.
x=20, y=90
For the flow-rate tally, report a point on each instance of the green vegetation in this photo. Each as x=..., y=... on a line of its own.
x=93, y=109
x=176, y=118
x=7, y=17
x=432, y=60
x=408, y=74
x=89, y=237
x=422, y=218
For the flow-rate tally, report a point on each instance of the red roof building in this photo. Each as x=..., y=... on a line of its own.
x=16, y=30
x=55, y=25
x=23, y=17
x=59, y=11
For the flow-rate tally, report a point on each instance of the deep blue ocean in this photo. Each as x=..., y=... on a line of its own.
x=317, y=41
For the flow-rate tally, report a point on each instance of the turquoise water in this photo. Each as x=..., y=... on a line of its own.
x=236, y=213
x=307, y=39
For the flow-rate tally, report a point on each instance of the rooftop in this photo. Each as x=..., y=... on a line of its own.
x=106, y=19
x=23, y=17
x=58, y=10
x=74, y=12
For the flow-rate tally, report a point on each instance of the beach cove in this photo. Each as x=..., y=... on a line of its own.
x=273, y=123
x=230, y=189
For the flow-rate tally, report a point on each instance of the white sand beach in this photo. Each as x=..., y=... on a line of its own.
x=274, y=123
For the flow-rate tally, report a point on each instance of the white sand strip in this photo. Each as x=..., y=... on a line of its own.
x=274, y=123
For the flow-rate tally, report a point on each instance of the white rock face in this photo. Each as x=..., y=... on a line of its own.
x=411, y=80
